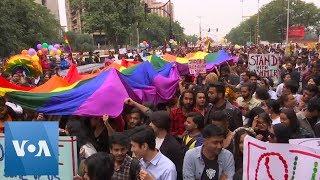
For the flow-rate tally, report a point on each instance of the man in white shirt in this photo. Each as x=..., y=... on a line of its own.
x=153, y=163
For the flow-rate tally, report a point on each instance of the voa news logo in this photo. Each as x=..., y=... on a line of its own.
x=20, y=148
x=31, y=148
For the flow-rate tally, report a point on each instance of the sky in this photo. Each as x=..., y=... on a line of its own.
x=221, y=14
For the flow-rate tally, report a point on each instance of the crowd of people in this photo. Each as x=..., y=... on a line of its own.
x=199, y=133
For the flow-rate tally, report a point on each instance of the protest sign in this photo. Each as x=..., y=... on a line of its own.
x=307, y=142
x=67, y=161
x=197, y=67
x=263, y=160
x=264, y=65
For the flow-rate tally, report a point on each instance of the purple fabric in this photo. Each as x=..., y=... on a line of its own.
x=108, y=99
x=163, y=88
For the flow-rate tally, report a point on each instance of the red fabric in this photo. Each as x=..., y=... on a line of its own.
x=177, y=121
x=296, y=31
x=178, y=118
x=73, y=74
x=6, y=84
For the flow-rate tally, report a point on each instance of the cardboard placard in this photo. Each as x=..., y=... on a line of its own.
x=197, y=67
x=263, y=160
x=265, y=65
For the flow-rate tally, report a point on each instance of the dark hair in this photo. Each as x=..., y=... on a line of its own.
x=265, y=117
x=136, y=110
x=262, y=93
x=266, y=81
x=187, y=92
x=283, y=98
x=282, y=133
x=238, y=157
x=197, y=118
x=313, y=89
x=160, y=119
x=285, y=74
x=220, y=87
x=203, y=92
x=274, y=105
x=247, y=73
x=250, y=87
x=291, y=115
x=292, y=85
x=253, y=74
x=100, y=166
x=76, y=128
x=314, y=104
x=217, y=116
x=119, y=138
x=212, y=130
x=253, y=113
x=145, y=136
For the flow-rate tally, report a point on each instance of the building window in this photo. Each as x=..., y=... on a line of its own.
x=44, y=2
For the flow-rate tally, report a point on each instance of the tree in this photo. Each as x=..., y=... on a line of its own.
x=113, y=17
x=273, y=21
x=80, y=42
x=192, y=39
x=22, y=23
x=156, y=30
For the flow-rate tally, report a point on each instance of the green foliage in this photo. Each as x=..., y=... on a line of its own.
x=113, y=17
x=273, y=21
x=192, y=38
x=118, y=19
x=80, y=42
x=22, y=23
x=156, y=30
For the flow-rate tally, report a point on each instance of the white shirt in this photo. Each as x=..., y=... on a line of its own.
x=279, y=89
x=160, y=167
x=273, y=95
x=276, y=121
x=159, y=142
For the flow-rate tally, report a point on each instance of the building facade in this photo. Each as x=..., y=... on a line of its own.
x=53, y=7
x=160, y=8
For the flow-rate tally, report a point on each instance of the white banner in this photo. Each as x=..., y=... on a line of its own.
x=265, y=65
x=308, y=142
x=263, y=160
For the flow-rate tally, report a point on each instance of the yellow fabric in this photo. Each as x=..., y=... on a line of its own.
x=3, y=91
x=65, y=88
x=187, y=139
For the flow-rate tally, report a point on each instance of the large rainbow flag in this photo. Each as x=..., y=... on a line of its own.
x=105, y=93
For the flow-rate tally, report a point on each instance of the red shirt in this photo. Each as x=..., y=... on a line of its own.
x=178, y=118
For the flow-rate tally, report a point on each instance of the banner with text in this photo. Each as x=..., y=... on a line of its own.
x=263, y=160
x=197, y=67
x=265, y=65
x=67, y=161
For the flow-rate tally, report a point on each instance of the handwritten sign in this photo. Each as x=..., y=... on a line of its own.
x=67, y=161
x=308, y=142
x=197, y=67
x=264, y=65
x=279, y=161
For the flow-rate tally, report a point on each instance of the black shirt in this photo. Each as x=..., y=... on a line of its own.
x=211, y=169
x=102, y=141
